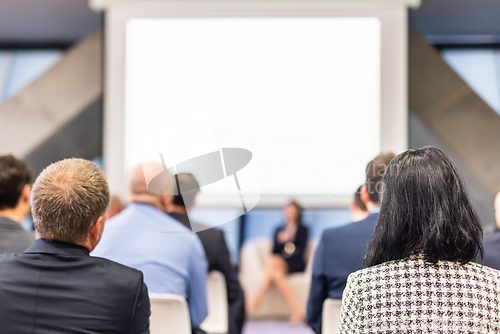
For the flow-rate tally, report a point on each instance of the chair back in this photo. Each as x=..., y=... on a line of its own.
x=217, y=320
x=169, y=314
x=309, y=254
x=331, y=316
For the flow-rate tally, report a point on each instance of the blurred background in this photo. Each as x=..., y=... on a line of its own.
x=37, y=35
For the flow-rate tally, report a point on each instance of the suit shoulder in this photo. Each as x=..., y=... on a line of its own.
x=488, y=271
x=368, y=222
x=492, y=238
x=334, y=232
x=112, y=268
x=6, y=258
x=212, y=233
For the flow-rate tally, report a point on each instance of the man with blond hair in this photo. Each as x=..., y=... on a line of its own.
x=55, y=286
x=144, y=237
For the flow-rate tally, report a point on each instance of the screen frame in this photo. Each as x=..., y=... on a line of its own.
x=394, y=74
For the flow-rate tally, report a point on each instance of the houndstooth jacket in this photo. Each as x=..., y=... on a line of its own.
x=412, y=296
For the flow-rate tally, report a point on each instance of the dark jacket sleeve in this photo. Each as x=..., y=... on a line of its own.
x=301, y=239
x=223, y=264
x=277, y=247
x=219, y=259
x=142, y=311
x=319, y=289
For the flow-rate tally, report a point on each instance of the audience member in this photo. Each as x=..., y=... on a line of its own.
x=55, y=286
x=144, y=237
x=290, y=242
x=115, y=206
x=215, y=247
x=15, y=178
x=358, y=208
x=420, y=274
x=491, y=242
x=341, y=250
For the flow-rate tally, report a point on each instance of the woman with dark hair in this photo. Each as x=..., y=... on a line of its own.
x=420, y=274
x=290, y=242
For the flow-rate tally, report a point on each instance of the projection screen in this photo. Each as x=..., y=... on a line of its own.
x=311, y=89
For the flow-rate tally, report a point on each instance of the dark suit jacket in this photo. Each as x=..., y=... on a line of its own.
x=295, y=261
x=58, y=288
x=340, y=252
x=13, y=238
x=491, y=244
x=218, y=259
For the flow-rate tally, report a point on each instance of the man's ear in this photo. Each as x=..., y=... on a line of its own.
x=354, y=207
x=166, y=200
x=25, y=194
x=364, y=194
x=96, y=231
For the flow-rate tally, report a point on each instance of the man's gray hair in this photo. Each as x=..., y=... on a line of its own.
x=67, y=199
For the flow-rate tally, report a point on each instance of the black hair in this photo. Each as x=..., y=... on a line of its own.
x=425, y=209
x=185, y=181
x=14, y=176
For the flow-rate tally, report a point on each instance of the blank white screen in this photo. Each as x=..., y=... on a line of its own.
x=302, y=94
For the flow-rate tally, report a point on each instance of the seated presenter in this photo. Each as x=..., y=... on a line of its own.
x=290, y=242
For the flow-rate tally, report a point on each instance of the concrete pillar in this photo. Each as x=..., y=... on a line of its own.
x=52, y=101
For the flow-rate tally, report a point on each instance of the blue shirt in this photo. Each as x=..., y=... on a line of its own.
x=169, y=254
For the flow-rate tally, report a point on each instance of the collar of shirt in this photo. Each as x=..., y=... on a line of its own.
x=45, y=246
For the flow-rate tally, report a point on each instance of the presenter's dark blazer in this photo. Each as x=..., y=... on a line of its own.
x=57, y=288
x=491, y=245
x=340, y=252
x=295, y=261
x=13, y=238
x=217, y=253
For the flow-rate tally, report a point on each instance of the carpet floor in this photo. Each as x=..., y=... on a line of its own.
x=275, y=327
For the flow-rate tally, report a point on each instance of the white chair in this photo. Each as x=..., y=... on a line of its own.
x=254, y=256
x=331, y=316
x=169, y=314
x=217, y=319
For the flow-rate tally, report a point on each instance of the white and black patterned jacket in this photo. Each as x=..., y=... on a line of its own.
x=412, y=296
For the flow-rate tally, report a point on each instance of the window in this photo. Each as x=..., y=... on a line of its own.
x=20, y=68
x=480, y=69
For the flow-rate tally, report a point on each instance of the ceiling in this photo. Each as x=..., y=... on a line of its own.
x=39, y=22
x=46, y=22
x=457, y=17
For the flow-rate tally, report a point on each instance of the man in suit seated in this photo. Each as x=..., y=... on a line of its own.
x=15, y=178
x=491, y=242
x=342, y=249
x=215, y=249
x=144, y=237
x=55, y=286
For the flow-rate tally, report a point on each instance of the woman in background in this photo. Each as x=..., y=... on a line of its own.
x=290, y=242
x=420, y=275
